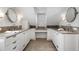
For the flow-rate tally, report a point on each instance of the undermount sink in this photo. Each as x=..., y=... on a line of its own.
x=66, y=31
x=11, y=32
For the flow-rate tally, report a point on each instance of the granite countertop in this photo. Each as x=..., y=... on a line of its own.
x=65, y=32
x=11, y=33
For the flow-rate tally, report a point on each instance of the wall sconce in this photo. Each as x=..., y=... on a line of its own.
x=19, y=18
x=63, y=16
x=1, y=14
x=74, y=28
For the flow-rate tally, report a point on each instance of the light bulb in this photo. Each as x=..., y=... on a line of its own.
x=74, y=28
x=1, y=14
x=63, y=16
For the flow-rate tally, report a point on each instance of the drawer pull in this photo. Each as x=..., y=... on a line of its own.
x=14, y=47
x=14, y=42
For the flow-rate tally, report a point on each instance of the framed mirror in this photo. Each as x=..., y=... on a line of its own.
x=11, y=14
x=71, y=14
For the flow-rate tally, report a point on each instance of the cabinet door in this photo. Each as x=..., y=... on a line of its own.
x=2, y=44
x=70, y=42
x=77, y=43
x=55, y=38
x=32, y=34
x=60, y=42
x=27, y=37
x=20, y=40
x=12, y=47
x=11, y=40
x=50, y=34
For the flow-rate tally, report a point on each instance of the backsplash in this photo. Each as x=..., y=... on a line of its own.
x=10, y=28
x=69, y=28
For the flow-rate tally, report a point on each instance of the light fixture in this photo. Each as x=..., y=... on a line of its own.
x=63, y=16
x=74, y=28
x=20, y=16
x=1, y=14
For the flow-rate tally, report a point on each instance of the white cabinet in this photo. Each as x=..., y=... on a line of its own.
x=70, y=42
x=32, y=34
x=11, y=43
x=16, y=42
x=58, y=41
x=64, y=42
x=8, y=43
x=41, y=33
x=78, y=43
x=23, y=40
x=20, y=39
x=49, y=34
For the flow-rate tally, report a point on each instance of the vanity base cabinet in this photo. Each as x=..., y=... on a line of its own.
x=70, y=42
x=58, y=41
x=20, y=39
x=64, y=41
x=17, y=42
x=2, y=44
x=49, y=34
x=8, y=44
x=23, y=40
x=32, y=34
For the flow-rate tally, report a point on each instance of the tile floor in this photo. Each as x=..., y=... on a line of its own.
x=40, y=45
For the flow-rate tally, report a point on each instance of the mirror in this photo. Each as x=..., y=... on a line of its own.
x=71, y=14
x=11, y=14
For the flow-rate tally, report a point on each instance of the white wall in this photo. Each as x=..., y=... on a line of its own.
x=75, y=23
x=53, y=14
x=4, y=21
x=28, y=14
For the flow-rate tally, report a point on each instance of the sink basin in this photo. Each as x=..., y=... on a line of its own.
x=66, y=31
x=69, y=32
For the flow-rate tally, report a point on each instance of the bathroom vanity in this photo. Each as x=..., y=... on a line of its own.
x=63, y=40
x=18, y=40
x=15, y=41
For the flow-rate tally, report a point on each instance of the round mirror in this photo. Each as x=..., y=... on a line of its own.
x=11, y=14
x=71, y=14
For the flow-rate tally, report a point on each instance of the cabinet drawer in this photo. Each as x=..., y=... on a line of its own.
x=12, y=47
x=10, y=41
